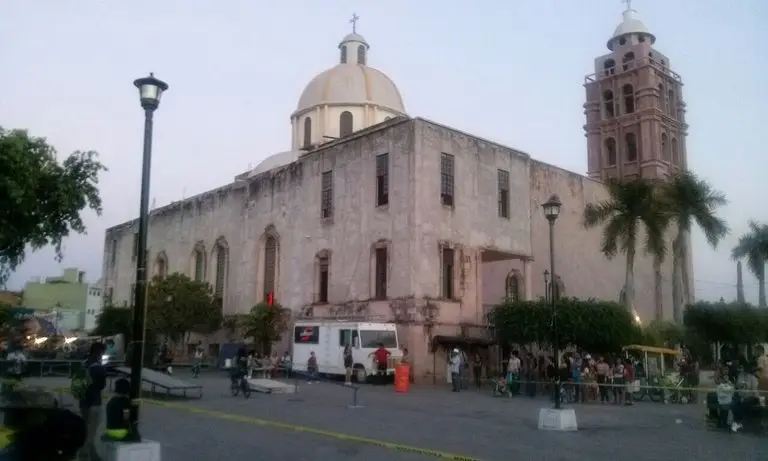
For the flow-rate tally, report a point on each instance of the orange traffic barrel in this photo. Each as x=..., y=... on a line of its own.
x=402, y=377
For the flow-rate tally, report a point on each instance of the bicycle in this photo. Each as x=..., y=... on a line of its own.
x=240, y=384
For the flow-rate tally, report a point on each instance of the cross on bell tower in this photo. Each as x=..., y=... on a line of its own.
x=634, y=108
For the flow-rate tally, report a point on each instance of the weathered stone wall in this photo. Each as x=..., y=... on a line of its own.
x=289, y=199
x=585, y=272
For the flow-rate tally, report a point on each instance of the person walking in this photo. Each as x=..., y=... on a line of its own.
x=348, y=365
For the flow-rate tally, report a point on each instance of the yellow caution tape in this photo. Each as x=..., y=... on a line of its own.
x=305, y=429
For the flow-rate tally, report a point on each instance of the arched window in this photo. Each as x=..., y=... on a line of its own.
x=161, y=265
x=628, y=60
x=675, y=153
x=664, y=147
x=629, y=98
x=270, y=266
x=361, y=55
x=671, y=103
x=609, y=67
x=608, y=103
x=631, y=141
x=307, y=132
x=512, y=287
x=610, y=151
x=345, y=123
x=198, y=262
x=222, y=259
x=344, y=54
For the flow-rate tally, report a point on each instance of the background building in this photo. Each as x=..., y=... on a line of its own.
x=374, y=213
x=67, y=300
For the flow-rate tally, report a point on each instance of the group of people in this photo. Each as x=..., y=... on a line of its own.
x=582, y=378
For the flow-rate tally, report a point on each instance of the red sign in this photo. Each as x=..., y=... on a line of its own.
x=270, y=299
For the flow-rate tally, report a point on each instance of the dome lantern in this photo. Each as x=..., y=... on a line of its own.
x=629, y=26
x=353, y=47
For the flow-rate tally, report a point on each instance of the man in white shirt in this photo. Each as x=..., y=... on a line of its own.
x=513, y=372
x=455, y=367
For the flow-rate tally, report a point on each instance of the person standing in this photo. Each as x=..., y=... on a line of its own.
x=477, y=370
x=381, y=356
x=90, y=403
x=513, y=372
x=455, y=367
x=348, y=365
x=198, y=363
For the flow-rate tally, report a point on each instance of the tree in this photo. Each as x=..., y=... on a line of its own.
x=632, y=206
x=595, y=326
x=754, y=246
x=689, y=199
x=115, y=320
x=178, y=305
x=266, y=325
x=734, y=324
x=41, y=200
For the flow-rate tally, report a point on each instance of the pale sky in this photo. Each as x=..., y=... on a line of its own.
x=508, y=71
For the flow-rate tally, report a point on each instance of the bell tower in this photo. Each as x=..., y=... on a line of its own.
x=635, y=114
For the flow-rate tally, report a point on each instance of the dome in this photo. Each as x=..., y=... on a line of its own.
x=274, y=161
x=629, y=25
x=351, y=84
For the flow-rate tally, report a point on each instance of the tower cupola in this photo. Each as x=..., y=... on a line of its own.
x=630, y=31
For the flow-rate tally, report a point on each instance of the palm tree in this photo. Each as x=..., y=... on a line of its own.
x=689, y=199
x=631, y=206
x=754, y=246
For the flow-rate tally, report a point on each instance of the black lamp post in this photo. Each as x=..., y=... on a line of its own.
x=551, y=212
x=546, y=284
x=150, y=90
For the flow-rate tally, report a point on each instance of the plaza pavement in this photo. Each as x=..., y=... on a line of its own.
x=469, y=423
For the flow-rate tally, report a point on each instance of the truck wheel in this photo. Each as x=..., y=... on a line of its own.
x=360, y=375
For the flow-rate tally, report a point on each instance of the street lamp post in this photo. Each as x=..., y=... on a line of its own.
x=551, y=212
x=546, y=284
x=150, y=90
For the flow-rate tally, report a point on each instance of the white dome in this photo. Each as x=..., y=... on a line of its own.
x=629, y=25
x=274, y=161
x=351, y=84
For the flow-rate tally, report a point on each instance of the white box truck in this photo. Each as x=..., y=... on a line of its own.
x=327, y=338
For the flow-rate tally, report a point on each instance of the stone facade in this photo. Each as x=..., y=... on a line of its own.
x=414, y=227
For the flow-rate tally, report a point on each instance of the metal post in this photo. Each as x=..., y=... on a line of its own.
x=553, y=299
x=140, y=295
x=354, y=397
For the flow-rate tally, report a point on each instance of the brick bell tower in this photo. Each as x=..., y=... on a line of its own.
x=634, y=109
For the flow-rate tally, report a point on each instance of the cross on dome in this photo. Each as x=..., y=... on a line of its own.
x=356, y=18
x=628, y=3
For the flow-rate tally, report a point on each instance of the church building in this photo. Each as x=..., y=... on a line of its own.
x=375, y=213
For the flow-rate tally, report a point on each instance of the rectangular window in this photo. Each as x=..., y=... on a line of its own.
x=113, y=253
x=382, y=179
x=503, y=177
x=323, y=279
x=135, y=245
x=306, y=335
x=327, y=194
x=446, y=179
x=447, y=288
x=381, y=273
x=345, y=337
x=108, y=297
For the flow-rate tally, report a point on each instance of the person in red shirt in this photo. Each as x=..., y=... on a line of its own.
x=629, y=381
x=380, y=355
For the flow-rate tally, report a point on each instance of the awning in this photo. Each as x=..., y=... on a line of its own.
x=462, y=341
